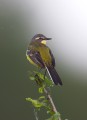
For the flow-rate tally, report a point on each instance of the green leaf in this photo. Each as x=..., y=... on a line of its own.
x=45, y=79
x=41, y=90
x=32, y=78
x=41, y=79
x=54, y=117
x=35, y=103
x=41, y=97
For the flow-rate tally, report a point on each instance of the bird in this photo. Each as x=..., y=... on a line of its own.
x=40, y=55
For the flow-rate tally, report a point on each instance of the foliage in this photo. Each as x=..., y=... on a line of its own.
x=43, y=101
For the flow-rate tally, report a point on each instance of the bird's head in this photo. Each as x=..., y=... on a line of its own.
x=40, y=38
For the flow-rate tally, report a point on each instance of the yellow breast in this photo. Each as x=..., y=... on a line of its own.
x=45, y=55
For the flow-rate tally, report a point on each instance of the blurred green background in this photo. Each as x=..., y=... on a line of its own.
x=16, y=32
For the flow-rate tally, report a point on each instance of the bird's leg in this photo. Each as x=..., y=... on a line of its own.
x=39, y=81
x=39, y=69
x=45, y=74
x=36, y=74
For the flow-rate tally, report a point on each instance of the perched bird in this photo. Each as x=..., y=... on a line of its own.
x=41, y=56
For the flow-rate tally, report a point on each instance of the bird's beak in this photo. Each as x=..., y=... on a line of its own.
x=44, y=41
x=48, y=38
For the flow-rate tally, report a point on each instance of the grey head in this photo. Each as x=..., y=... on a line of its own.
x=40, y=37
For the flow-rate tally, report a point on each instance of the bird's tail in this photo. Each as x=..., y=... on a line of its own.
x=54, y=75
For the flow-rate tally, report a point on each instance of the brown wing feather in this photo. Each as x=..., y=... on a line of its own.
x=35, y=57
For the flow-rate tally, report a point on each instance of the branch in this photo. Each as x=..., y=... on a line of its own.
x=51, y=102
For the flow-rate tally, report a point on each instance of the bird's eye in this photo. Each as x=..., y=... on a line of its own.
x=42, y=38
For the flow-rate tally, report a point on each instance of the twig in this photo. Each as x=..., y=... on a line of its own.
x=51, y=102
x=35, y=113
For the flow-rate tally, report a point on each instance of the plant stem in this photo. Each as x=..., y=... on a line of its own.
x=51, y=102
x=35, y=113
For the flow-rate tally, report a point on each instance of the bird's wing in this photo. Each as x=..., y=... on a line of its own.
x=52, y=57
x=35, y=57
